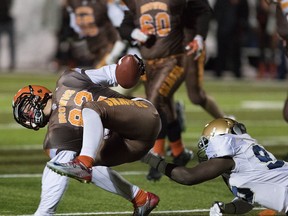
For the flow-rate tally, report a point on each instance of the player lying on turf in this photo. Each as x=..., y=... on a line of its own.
x=253, y=174
x=83, y=109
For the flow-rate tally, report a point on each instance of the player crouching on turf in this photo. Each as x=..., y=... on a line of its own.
x=84, y=112
x=253, y=174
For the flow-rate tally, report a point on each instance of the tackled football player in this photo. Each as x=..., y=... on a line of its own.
x=85, y=116
x=252, y=173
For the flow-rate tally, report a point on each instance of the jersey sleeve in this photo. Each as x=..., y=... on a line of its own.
x=104, y=76
x=220, y=146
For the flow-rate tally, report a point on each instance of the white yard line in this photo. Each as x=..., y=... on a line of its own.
x=129, y=213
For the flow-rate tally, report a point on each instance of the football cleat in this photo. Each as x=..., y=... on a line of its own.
x=152, y=201
x=184, y=157
x=74, y=169
x=153, y=174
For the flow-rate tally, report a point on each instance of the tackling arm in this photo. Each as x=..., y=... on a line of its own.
x=190, y=176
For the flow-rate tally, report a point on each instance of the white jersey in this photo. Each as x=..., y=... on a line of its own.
x=258, y=177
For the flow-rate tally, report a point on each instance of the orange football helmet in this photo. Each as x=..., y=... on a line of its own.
x=28, y=104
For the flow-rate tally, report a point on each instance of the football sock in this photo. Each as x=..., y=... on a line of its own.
x=93, y=132
x=110, y=180
x=267, y=212
x=86, y=160
x=140, y=198
x=159, y=147
x=177, y=147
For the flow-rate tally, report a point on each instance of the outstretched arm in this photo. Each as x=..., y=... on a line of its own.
x=189, y=176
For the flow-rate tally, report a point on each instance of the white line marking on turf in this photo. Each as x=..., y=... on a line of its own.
x=37, y=175
x=127, y=212
x=264, y=105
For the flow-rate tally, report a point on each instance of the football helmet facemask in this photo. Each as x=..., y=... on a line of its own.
x=217, y=127
x=28, y=104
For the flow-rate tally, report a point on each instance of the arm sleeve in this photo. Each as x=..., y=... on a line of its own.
x=127, y=26
x=104, y=76
x=221, y=146
x=197, y=15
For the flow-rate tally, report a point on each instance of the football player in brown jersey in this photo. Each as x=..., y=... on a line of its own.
x=91, y=22
x=160, y=29
x=84, y=115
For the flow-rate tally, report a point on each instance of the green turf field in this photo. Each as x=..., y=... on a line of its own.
x=258, y=104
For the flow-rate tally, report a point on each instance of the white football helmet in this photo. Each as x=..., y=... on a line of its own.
x=217, y=127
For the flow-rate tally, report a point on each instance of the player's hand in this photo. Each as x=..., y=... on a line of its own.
x=195, y=47
x=139, y=36
x=141, y=65
x=144, y=38
x=217, y=209
x=152, y=159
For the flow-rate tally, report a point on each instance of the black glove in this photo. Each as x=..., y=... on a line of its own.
x=141, y=65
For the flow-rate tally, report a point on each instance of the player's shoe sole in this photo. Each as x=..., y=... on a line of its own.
x=72, y=169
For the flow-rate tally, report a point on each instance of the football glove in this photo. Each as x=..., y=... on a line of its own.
x=143, y=38
x=139, y=36
x=152, y=159
x=217, y=209
x=141, y=65
x=195, y=47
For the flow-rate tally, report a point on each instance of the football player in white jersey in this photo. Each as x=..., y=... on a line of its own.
x=253, y=174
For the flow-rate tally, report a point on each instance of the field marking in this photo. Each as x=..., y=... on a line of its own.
x=264, y=105
x=128, y=212
x=38, y=175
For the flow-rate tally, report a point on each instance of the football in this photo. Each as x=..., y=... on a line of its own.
x=127, y=71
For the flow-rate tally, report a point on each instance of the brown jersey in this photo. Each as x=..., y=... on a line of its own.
x=65, y=124
x=92, y=18
x=162, y=19
x=165, y=20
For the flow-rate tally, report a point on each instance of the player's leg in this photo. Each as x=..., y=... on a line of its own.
x=163, y=80
x=111, y=181
x=134, y=127
x=53, y=185
x=196, y=93
x=132, y=119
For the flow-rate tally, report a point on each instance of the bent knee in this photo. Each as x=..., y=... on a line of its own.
x=198, y=99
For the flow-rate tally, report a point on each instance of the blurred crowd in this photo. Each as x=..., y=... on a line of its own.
x=242, y=39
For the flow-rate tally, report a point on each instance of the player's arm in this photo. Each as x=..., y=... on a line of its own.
x=190, y=175
x=196, y=17
x=127, y=26
x=126, y=72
